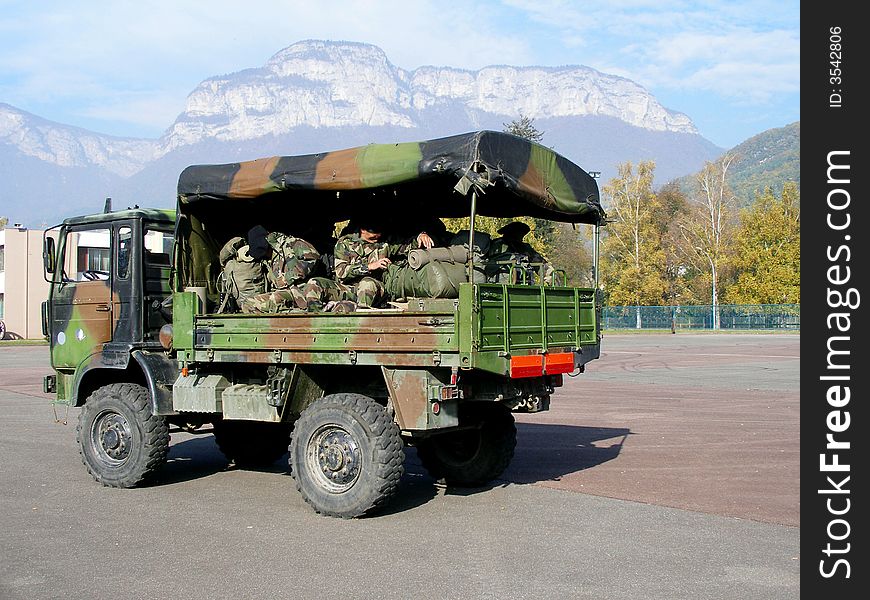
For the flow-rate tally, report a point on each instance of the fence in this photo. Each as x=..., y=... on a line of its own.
x=731, y=316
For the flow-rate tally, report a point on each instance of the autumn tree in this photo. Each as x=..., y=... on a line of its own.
x=570, y=252
x=767, y=250
x=672, y=206
x=707, y=227
x=632, y=258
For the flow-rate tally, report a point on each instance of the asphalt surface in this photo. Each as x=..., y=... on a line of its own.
x=669, y=470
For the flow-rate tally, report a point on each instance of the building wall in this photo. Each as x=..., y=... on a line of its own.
x=22, y=283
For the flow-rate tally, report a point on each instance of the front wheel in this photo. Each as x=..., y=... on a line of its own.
x=477, y=453
x=121, y=442
x=346, y=455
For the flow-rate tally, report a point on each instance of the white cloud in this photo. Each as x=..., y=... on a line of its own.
x=740, y=64
x=748, y=50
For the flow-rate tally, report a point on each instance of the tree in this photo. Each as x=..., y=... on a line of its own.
x=672, y=206
x=708, y=226
x=3, y=222
x=524, y=127
x=632, y=259
x=768, y=254
x=570, y=252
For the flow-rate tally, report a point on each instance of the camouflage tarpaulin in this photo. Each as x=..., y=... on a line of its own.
x=513, y=176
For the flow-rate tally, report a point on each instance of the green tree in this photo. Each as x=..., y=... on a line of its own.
x=3, y=222
x=707, y=229
x=632, y=259
x=768, y=250
x=524, y=127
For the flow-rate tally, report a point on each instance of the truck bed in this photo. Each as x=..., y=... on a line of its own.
x=484, y=329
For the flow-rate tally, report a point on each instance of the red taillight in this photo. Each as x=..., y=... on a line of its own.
x=559, y=363
x=530, y=365
x=535, y=365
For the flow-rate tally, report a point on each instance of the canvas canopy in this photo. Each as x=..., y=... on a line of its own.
x=513, y=177
x=393, y=184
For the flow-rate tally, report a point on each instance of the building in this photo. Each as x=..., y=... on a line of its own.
x=23, y=287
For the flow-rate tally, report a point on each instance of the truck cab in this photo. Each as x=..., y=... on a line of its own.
x=110, y=284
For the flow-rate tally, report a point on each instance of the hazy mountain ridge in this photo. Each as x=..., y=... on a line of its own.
x=67, y=146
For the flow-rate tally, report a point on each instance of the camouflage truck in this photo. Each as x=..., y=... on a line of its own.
x=138, y=342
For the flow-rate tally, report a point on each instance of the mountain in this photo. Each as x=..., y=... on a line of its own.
x=318, y=95
x=768, y=159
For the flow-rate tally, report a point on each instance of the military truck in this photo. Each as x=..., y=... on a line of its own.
x=138, y=342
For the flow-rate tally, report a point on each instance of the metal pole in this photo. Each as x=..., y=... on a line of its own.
x=596, y=240
x=471, y=236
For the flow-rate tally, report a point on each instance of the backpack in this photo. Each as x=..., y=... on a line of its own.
x=241, y=276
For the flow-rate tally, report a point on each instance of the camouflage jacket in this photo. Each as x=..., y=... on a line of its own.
x=353, y=255
x=293, y=260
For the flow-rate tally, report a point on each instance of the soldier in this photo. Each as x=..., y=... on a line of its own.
x=361, y=258
x=289, y=261
x=511, y=247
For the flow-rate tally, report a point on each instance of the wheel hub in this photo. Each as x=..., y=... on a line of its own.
x=336, y=458
x=111, y=438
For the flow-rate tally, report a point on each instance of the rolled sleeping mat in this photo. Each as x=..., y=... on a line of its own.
x=451, y=254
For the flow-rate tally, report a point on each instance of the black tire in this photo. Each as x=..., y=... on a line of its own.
x=121, y=442
x=346, y=455
x=252, y=443
x=474, y=456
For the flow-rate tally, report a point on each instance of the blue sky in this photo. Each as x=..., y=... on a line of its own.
x=126, y=67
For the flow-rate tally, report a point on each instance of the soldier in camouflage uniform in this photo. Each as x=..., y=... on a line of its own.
x=289, y=262
x=361, y=259
x=511, y=247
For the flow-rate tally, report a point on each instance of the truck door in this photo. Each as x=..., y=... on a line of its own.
x=83, y=306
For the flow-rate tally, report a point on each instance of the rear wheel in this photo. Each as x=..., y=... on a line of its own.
x=252, y=443
x=121, y=442
x=346, y=455
x=475, y=454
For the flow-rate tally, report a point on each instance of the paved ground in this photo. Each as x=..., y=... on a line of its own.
x=702, y=422
x=669, y=470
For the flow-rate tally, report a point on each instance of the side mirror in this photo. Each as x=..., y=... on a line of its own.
x=49, y=261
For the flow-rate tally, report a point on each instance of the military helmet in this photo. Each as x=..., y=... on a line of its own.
x=517, y=228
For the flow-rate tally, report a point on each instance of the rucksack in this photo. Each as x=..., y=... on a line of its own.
x=241, y=275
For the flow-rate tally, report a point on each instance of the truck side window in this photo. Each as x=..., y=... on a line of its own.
x=158, y=246
x=88, y=255
x=125, y=239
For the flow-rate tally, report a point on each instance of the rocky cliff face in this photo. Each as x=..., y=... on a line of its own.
x=341, y=84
